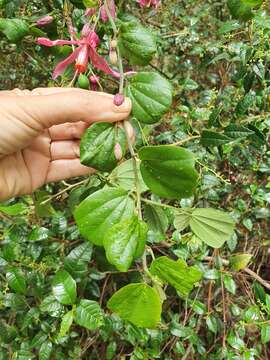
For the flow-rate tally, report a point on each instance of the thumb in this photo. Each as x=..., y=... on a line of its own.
x=71, y=105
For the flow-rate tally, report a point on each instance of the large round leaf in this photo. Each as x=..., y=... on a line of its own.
x=14, y=29
x=138, y=303
x=100, y=211
x=98, y=143
x=136, y=43
x=168, y=171
x=125, y=242
x=64, y=288
x=212, y=226
x=151, y=96
x=176, y=273
x=124, y=177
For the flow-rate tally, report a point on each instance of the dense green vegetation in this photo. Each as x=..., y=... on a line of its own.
x=183, y=273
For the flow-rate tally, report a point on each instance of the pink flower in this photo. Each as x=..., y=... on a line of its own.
x=44, y=21
x=147, y=3
x=112, y=9
x=85, y=52
x=90, y=11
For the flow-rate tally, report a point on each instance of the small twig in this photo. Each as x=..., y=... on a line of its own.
x=63, y=191
x=104, y=288
x=185, y=357
x=220, y=177
x=180, y=142
x=224, y=311
x=255, y=276
x=135, y=169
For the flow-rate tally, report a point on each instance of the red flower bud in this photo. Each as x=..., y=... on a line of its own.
x=44, y=21
x=90, y=11
x=118, y=99
x=112, y=9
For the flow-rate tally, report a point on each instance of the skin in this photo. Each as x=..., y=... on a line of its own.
x=40, y=132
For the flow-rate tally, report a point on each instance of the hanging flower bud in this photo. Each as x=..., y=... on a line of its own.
x=147, y=3
x=130, y=131
x=94, y=82
x=90, y=11
x=113, y=44
x=118, y=99
x=82, y=59
x=112, y=9
x=44, y=21
x=113, y=57
x=118, y=153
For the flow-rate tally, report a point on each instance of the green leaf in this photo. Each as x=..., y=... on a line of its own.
x=151, y=96
x=229, y=283
x=89, y=314
x=51, y=306
x=98, y=143
x=78, y=3
x=156, y=219
x=124, y=177
x=45, y=351
x=242, y=9
x=212, y=226
x=14, y=210
x=90, y=3
x=138, y=303
x=125, y=242
x=66, y=323
x=7, y=333
x=136, y=43
x=16, y=280
x=38, y=340
x=14, y=29
x=212, y=138
x=228, y=26
x=176, y=273
x=211, y=323
x=245, y=103
x=168, y=171
x=237, y=131
x=239, y=262
x=100, y=211
x=64, y=288
x=76, y=263
x=265, y=333
x=182, y=219
x=257, y=136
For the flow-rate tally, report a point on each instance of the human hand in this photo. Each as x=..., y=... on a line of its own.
x=40, y=132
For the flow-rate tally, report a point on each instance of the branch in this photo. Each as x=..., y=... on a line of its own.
x=255, y=276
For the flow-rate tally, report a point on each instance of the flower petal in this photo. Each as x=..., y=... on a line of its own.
x=61, y=67
x=50, y=43
x=101, y=64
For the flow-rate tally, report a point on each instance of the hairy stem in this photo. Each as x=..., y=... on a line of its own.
x=120, y=62
x=136, y=171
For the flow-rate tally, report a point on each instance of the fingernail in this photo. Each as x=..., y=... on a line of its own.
x=124, y=107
